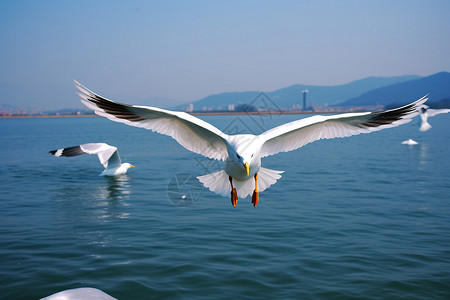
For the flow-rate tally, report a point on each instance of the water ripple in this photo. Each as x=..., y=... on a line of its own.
x=346, y=221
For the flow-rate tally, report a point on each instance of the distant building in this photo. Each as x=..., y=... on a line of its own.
x=190, y=108
x=304, y=92
x=230, y=107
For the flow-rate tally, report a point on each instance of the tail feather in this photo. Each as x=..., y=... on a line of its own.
x=267, y=177
x=218, y=182
x=425, y=126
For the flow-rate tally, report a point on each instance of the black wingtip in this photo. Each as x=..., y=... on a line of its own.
x=69, y=151
x=392, y=115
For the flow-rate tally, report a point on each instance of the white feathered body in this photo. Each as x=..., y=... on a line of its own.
x=80, y=293
x=248, y=146
x=117, y=170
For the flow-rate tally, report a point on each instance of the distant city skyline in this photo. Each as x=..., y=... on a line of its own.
x=186, y=50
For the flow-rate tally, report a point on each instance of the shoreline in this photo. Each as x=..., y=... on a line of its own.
x=45, y=116
x=193, y=113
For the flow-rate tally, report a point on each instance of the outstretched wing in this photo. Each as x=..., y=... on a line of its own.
x=296, y=134
x=192, y=133
x=434, y=112
x=107, y=154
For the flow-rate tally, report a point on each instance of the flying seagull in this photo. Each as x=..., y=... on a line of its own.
x=107, y=154
x=425, y=113
x=243, y=174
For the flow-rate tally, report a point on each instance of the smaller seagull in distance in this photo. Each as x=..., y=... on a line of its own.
x=410, y=142
x=426, y=112
x=107, y=154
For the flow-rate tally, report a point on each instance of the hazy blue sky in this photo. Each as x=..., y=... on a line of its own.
x=186, y=50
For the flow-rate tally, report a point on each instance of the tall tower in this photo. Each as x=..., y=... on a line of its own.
x=304, y=92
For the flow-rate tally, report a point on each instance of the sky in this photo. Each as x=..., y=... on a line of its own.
x=130, y=51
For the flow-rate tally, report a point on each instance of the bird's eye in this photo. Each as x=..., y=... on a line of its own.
x=252, y=155
x=238, y=156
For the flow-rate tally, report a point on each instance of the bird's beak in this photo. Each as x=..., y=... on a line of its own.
x=247, y=167
x=132, y=166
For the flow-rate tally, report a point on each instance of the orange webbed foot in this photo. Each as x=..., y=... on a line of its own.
x=255, y=198
x=234, y=197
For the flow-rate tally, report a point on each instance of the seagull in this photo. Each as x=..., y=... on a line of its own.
x=80, y=294
x=425, y=112
x=107, y=154
x=242, y=153
x=410, y=142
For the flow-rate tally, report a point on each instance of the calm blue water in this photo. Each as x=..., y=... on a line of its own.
x=357, y=218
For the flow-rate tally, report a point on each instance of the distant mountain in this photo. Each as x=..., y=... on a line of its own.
x=320, y=95
x=436, y=85
x=292, y=95
x=222, y=100
x=444, y=103
x=158, y=102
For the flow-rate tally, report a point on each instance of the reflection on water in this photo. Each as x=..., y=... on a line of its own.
x=98, y=198
x=116, y=187
x=423, y=153
x=419, y=153
x=112, y=196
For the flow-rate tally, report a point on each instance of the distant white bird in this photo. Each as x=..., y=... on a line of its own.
x=242, y=153
x=108, y=156
x=410, y=142
x=80, y=294
x=425, y=113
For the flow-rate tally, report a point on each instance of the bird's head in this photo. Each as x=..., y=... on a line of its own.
x=244, y=151
x=423, y=108
x=128, y=166
x=245, y=162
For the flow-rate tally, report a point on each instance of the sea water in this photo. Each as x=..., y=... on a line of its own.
x=363, y=217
